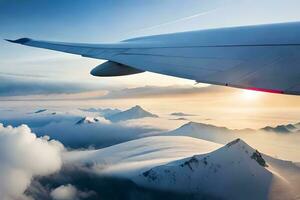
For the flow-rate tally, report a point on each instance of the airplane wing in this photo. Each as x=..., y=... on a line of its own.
x=262, y=57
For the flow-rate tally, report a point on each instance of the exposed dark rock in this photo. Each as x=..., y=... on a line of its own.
x=259, y=159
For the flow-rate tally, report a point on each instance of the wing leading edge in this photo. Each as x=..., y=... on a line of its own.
x=264, y=57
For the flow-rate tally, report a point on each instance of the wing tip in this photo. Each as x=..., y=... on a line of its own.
x=19, y=41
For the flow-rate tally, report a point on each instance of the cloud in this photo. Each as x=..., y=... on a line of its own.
x=27, y=85
x=64, y=192
x=99, y=187
x=181, y=114
x=18, y=85
x=68, y=192
x=155, y=91
x=180, y=119
x=23, y=156
x=63, y=127
x=34, y=120
x=99, y=134
x=102, y=112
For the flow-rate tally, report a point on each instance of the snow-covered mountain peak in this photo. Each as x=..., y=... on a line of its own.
x=135, y=112
x=137, y=107
x=232, y=163
x=242, y=147
x=140, y=111
x=236, y=151
x=238, y=143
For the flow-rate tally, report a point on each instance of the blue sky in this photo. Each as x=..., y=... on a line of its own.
x=103, y=21
x=91, y=20
x=97, y=21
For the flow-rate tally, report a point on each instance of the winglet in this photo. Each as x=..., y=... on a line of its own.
x=19, y=41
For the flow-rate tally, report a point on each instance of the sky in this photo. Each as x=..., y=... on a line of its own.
x=50, y=92
x=29, y=73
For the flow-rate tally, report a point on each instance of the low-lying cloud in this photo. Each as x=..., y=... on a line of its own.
x=69, y=192
x=155, y=91
x=23, y=156
x=99, y=134
x=37, y=120
x=64, y=127
x=18, y=86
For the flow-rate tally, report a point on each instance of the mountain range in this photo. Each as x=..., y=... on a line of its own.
x=191, y=128
x=289, y=128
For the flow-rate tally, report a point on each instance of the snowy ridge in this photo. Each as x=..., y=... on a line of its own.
x=234, y=171
x=139, y=155
x=203, y=131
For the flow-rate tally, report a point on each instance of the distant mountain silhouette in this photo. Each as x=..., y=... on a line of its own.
x=204, y=131
x=290, y=128
x=181, y=114
x=40, y=111
x=135, y=112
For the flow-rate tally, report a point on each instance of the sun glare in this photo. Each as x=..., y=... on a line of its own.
x=250, y=94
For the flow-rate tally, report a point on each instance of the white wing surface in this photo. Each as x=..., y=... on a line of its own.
x=263, y=57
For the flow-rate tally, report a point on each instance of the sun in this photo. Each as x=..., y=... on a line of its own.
x=250, y=94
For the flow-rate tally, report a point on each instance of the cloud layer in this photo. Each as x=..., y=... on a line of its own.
x=64, y=128
x=16, y=86
x=155, y=91
x=99, y=134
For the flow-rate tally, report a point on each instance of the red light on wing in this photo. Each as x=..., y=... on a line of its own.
x=266, y=90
